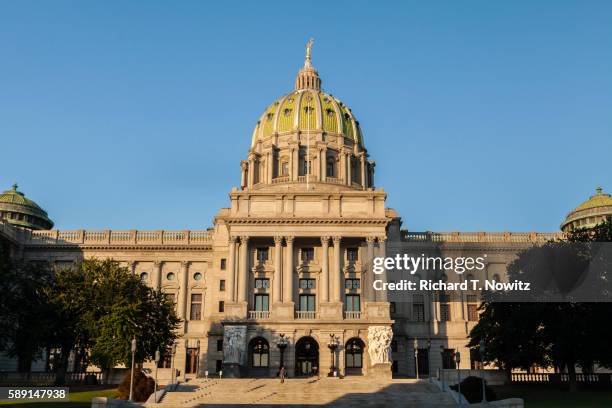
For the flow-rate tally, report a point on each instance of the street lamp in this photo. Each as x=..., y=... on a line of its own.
x=333, y=345
x=482, y=351
x=172, y=353
x=132, y=374
x=198, y=358
x=416, y=357
x=442, y=366
x=157, y=358
x=282, y=344
x=458, y=361
x=429, y=359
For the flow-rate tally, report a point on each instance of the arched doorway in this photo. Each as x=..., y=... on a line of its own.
x=306, y=357
x=353, y=356
x=259, y=356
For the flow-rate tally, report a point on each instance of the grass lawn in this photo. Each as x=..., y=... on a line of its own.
x=542, y=397
x=80, y=397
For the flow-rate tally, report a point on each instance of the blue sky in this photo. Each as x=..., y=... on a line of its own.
x=481, y=115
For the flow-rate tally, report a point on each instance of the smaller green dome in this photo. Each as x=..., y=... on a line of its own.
x=590, y=213
x=18, y=210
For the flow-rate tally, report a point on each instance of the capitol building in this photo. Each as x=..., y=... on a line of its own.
x=285, y=270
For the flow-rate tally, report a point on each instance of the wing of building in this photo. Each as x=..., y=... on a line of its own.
x=286, y=269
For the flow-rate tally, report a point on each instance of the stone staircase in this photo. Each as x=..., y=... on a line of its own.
x=348, y=392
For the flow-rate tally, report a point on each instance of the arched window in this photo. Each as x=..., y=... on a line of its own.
x=354, y=355
x=260, y=352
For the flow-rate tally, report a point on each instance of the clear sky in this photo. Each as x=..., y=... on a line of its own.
x=481, y=115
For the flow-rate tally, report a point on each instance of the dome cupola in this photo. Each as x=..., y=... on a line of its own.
x=593, y=211
x=18, y=210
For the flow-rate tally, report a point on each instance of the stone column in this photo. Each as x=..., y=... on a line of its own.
x=288, y=272
x=293, y=167
x=278, y=270
x=231, y=270
x=369, y=275
x=270, y=166
x=336, y=281
x=349, y=170
x=342, y=167
x=243, y=179
x=382, y=252
x=325, y=270
x=157, y=274
x=363, y=172
x=251, y=172
x=243, y=275
x=184, y=290
x=323, y=162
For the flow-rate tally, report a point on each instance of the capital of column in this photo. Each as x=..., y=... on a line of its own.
x=289, y=239
x=232, y=239
x=278, y=240
x=185, y=264
x=244, y=239
x=325, y=240
x=382, y=239
x=157, y=264
x=336, y=240
x=370, y=240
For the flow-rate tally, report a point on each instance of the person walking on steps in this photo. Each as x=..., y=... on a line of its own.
x=283, y=373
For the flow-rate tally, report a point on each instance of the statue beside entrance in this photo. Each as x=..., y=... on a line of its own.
x=234, y=349
x=379, y=349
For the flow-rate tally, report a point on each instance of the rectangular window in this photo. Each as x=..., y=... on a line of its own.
x=352, y=254
x=352, y=303
x=392, y=307
x=262, y=283
x=307, y=303
x=221, y=306
x=418, y=308
x=284, y=169
x=262, y=255
x=223, y=264
x=196, y=307
x=448, y=359
x=307, y=254
x=222, y=285
x=472, y=310
x=306, y=168
x=445, y=312
x=262, y=303
x=220, y=345
x=307, y=283
x=330, y=167
x=351, y=284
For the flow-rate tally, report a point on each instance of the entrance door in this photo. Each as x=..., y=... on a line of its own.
x=423, y=358
x=191, y=365
x=306, y=357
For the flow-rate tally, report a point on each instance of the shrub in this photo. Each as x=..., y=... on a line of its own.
x=471, y=388
x=143, y=386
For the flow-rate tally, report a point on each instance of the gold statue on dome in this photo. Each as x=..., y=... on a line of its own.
x=309, y=51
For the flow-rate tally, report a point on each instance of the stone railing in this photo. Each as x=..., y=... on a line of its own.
x=259, y=314
x=517, y=237
x=560, y=378
x=300, y=315
x=109, y=237
x=352, y=315
x=9, y=231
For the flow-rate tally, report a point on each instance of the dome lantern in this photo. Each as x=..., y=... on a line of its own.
x=308, y=77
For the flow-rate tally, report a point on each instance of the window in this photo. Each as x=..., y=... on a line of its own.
x=354, y=354
x=306, y=167
x=262, y=283
x=221, y=306
x=262, y=303
x=222, y=285
x=352, y=303
x=448, y=359
x=262, y=255
x=307, y=303
x=144, y=276
x=472, y=310
x=352, y=254
x=170, y=276
x=351, y=284
x=196, y=307
x=418, y=308
x=223, y=264
x=307, y=283
x=392, y=308
x=284, y=169
x=445, y=312
x=330, y=168
x=197, y=276
x=307, y=254
x=220, y=345
x=260, y=352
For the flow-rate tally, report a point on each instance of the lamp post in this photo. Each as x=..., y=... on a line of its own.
x=442, y=366
x=198, y=358
x=484, y=390
x=458, y=361
x=172, y=373
x=416, y=357
x=333, y=345
x=282, y=344
x=132, y=374
x=157, y=358
x=429, y=358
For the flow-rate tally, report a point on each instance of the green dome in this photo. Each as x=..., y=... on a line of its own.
x=590, y=213
x=307, y=109
x=18, y=210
